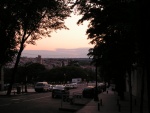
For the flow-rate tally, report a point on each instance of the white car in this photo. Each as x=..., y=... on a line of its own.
x=69, y=86
x=51, y=87
x=41, y=86
x=75, y=85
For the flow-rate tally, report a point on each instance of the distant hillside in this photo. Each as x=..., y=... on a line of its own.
x=58, y=53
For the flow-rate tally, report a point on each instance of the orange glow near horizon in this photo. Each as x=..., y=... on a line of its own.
x=75, y=37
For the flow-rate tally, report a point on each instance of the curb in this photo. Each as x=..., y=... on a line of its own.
x=67, y=109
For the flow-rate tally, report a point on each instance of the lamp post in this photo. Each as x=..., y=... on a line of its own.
x=26, y=85
x=96, y=91
x=65, y=78
x=87, y=80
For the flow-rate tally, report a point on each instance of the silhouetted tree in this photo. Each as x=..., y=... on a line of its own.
x=65, y=74
x=113, y=29
x=35, y=19
x=8, y=44
x=33, y=71
x=8, y=26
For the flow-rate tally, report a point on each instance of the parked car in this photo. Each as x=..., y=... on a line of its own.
x=101, y=87
x=51, y=87
x=74, y=85
x=41, y=86
x=60, y=91
x=69, y=86
x=88, y=92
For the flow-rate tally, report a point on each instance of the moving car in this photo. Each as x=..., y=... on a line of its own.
x=69, y=86
x=51, y=87
x=60, y=91
x=41, y=87
x=74, y=85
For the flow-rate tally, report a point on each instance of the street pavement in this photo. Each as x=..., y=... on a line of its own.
x=108, y=103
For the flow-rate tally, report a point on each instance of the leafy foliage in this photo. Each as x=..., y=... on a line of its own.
x=8, y=25
x=25, y=21
x=37, y=18
x=35, y=72
x=32, y=20
x=62, y=74
x=113, y=30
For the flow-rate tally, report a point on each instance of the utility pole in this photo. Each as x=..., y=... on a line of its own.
x=96, y=91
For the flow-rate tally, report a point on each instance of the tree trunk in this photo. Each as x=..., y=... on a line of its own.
x=130, y=90
x=1, y=78
x=14, y=70
x=142, y=91
x=26, y=85
x=148, y=86
x=120, y=86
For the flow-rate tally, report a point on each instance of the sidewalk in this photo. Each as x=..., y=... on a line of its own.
x=108, y=103
x=14, y=92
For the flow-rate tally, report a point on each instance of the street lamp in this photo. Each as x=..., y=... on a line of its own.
x=87, y=80
x=26, y=84
x=65, y=78
x=96, y=91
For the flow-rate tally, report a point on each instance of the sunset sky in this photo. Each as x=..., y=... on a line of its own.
x=67, y=39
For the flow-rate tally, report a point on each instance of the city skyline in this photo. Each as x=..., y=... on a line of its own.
x=58, y=53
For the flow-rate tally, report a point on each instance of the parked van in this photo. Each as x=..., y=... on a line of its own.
x=41, y=86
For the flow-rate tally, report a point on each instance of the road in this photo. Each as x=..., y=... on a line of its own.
x=33, y=103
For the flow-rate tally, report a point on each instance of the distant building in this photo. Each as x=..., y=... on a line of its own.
x=39, y=59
